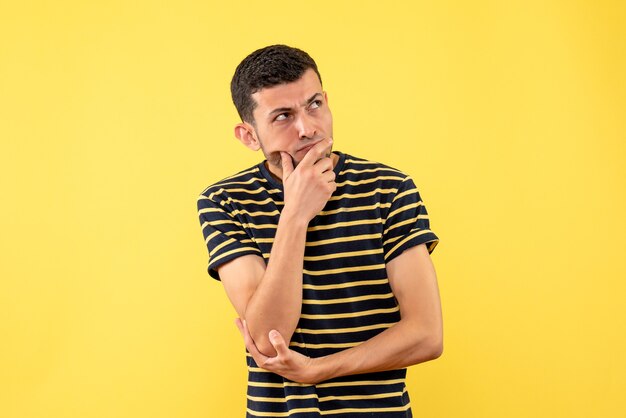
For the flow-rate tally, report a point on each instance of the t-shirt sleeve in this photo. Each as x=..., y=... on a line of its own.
x=225, y=237
x=407, y=223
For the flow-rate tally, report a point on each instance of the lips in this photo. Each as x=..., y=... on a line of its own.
x=308, y=147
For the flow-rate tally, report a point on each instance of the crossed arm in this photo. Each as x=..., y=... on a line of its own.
x=416, y=338
x=269, y=299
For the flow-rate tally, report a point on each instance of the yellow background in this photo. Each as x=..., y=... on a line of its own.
x=115, y=115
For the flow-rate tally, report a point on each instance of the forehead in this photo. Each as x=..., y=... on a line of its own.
x=288, y=95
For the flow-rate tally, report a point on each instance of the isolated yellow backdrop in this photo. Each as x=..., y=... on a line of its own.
x=115, y=115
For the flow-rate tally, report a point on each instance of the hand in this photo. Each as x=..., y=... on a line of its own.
x=287, y=363
x=309, y=186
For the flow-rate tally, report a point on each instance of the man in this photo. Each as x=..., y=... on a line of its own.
x=324, y=256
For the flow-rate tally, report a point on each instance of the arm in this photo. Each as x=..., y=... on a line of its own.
x=416, y=338
x=271, y=298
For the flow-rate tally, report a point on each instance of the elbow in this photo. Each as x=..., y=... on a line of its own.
x=266, y=348
x=430, y=347
x=433, y=345
x=433, y=341
x=264, y=345
x=435, y=348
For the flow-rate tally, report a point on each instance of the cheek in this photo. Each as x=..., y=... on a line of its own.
x=271, y=148
x=284, y=139
x=328, y=120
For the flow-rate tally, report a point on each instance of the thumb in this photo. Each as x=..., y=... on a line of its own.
x=287, y=164
x=278, y=342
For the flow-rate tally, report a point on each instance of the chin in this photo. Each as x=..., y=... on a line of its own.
x=274, y=159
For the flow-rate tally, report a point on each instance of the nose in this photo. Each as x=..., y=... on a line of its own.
x=305, y=126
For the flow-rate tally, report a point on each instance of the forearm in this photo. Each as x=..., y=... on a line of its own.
x=277, y=301
x=402, y=345
x=416, y=338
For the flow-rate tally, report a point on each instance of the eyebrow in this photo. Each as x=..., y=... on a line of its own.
x=288, y=109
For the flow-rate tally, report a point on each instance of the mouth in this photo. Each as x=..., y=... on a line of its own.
x=308, y=147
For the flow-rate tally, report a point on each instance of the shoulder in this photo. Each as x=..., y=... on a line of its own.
x=357, y=169
x=245, y=181
x=358, y=165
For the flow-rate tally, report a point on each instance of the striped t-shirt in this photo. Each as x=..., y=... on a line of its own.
x=374, y=215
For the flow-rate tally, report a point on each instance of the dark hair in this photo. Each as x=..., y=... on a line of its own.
x=267, y=67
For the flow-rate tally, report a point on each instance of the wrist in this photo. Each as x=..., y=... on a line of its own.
x=293, y=217
x=319, y=370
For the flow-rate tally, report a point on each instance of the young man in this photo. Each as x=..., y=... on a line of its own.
x=325, y=256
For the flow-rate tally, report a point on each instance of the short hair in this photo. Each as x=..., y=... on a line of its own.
x=267, y=67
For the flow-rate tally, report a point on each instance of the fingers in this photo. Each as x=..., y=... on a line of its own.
x=329, y=176
x=287, y=164
x=239, y=326
x=259, y=357
x=243, y=329
x=320, y=150
x=324, y=165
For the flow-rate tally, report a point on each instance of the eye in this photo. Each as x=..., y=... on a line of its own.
x=315, y=104
x=281, y=117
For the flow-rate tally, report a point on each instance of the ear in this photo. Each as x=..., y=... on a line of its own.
x=247, y=135
x=325, y=96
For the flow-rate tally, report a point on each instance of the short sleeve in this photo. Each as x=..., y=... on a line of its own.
x=407, y=223
x=225, y=237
